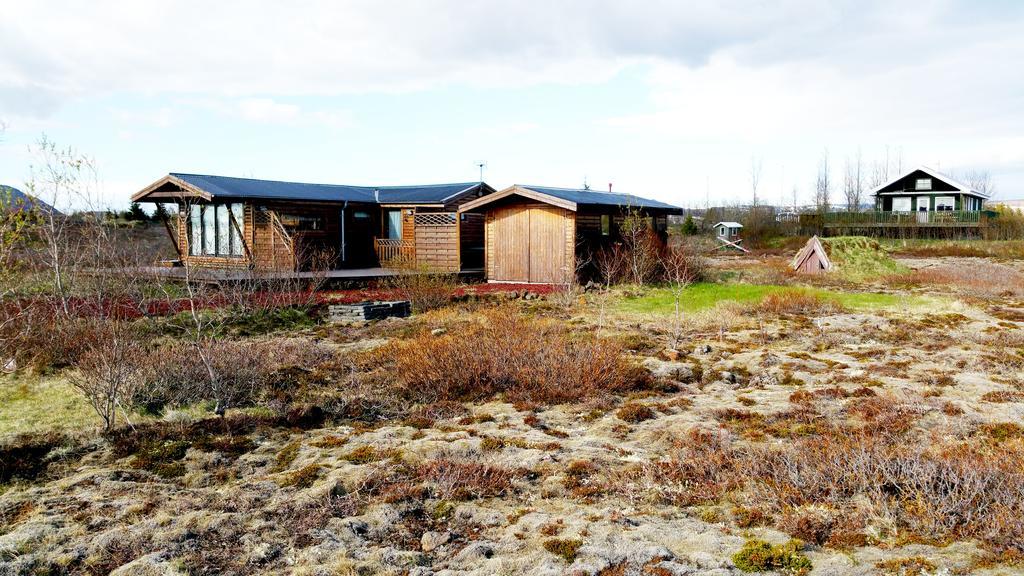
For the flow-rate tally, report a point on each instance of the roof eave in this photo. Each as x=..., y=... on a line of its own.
x=141, y=195
x=518, y=191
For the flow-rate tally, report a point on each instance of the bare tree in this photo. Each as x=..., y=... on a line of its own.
x=980, y=180
x=755, y=179
x=823, y=184
x=853, y=183
x=641, y=247
x=681, y=268
x=58, y=178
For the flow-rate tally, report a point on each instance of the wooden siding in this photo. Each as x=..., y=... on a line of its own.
x=530, y=243
x=437, y=241
x=272, y=248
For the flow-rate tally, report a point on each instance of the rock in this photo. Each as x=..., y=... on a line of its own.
x=432, y=540
x=679, y=371
x=358, y=527
x=670, y=354
x=155, y=564
x=763, y=379
x=263, y=552
x=703, y=349
x=438, y=331
x=728, y=377
x=476, y=551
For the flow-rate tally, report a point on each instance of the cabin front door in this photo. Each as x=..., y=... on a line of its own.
x=359, y=230
x=922, y=210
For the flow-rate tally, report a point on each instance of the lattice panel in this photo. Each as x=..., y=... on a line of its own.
x=436, y=219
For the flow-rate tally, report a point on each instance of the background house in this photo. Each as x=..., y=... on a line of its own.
x=922, y=198
x=926, y=190
x=273, y=225
x=537, y=234
x=727, y=230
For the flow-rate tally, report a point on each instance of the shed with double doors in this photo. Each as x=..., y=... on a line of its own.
x=543, y=235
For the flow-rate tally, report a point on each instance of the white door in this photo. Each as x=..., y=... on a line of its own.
x=922, y=209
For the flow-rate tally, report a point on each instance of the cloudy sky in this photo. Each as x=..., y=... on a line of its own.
x=667, y=99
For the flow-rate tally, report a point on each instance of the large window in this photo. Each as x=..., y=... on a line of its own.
x=901, y=204
x=212, y=232
x=923, y=184
x=606, y=225
x=945, y=203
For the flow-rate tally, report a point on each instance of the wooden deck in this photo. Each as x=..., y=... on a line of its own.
x=235, y=275
x=879, y=219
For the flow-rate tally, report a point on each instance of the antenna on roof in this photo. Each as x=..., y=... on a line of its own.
x=481, y=166
x=586, y=185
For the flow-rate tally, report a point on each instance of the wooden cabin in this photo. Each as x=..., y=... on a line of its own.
x=538, y=234
x=267, y=225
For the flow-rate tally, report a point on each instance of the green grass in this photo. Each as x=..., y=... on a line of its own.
x=705, y=296
x=42, y=404
x=858, y=258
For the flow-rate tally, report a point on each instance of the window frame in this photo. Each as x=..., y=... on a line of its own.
x=909, y=203
x=206, y=234
x=606, y=224
x=942, y=207
x=919, y=181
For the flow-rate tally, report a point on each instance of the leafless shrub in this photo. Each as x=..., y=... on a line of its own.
x=425, y=288
x=111, y=369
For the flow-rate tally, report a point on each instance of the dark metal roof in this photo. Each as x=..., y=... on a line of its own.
x=230, y=187
x=596, y=197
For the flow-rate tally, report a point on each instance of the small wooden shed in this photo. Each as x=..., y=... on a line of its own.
x=537, y=234
x=727, y=230
x=812, y=258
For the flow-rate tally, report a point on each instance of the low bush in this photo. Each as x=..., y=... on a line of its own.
x=424, y=288
x=797, y=303
x=524, y=358
x=451, y=479
x=821, y=482
x=760, y=556
x=980, y=279
x=567, y=548
x=633, y=412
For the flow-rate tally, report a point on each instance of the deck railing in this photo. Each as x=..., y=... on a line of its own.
x=390, y=251
x=881, y=218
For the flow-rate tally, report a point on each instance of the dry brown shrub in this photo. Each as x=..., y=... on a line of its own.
x=797, y=303
x=980, y=279
x=452, y=479
x=1003, y=396
x=522, y=357
x=424, y=288
x=634, y=412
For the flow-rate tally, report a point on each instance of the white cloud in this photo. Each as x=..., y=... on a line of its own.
x=267, y=110
x=55, y=50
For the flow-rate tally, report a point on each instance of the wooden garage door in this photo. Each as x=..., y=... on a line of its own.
x=529, y=244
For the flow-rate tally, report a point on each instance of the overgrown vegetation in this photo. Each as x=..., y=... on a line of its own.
x=519, y=356
x=858, y=258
